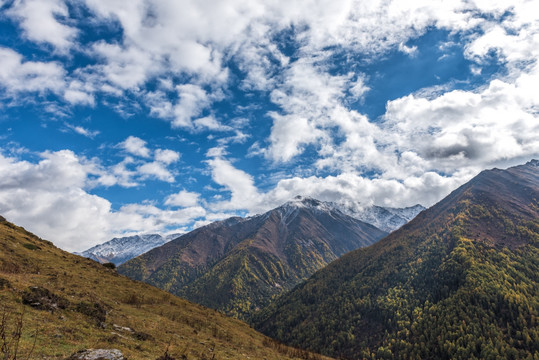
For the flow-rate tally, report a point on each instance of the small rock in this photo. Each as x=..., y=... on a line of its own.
x=97, y=354
x=122, y=328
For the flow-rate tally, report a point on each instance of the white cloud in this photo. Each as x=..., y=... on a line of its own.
x=83, y=131
x=47, y=198
x=125, y=68
x=290, y=134
x=183, y=199
x=39, y=20
x=50, y=198
x=307, y=97
x=218, y=151
x=80, y=93
x=425, y=188
x=135, y=146
x=156, y=170
x=192, y=100
x=166, y=156
x=18, y=76
x=408, y=50
x=141, y=218
x=359, y=88
x=210, y=123
x=460, y=128
x=237, y=182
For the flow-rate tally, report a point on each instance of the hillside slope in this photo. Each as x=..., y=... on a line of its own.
x=460, y=281
x=69, y=303
x=240, y=265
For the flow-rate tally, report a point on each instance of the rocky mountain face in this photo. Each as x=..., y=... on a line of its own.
x=119, y=250
x=457, y=282
x=240, y=264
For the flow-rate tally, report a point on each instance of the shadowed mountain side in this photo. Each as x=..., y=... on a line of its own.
x=240, y=265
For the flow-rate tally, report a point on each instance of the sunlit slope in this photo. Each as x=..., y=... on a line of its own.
x=71, y=303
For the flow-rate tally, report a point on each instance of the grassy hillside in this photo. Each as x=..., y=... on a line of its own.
x=69, y=303
x=459, y=282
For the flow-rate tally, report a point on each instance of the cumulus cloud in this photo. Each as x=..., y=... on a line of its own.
x=124, y=68
x=241, y=192
x=166, y=156
x=18, y=78
x=135, y=146
x=210, y=123
x=40, y=21
x=156, y=170
x=408, y=50
x=307, y=97
x=467, y=128
x=183, y=199
x=130, y=171
x=51, y=198
x=17, y=75
x=192, y=100
x=238, y=183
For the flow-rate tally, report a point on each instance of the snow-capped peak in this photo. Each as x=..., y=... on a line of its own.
x=119, y=250
x=385, y=218
x=290, y=209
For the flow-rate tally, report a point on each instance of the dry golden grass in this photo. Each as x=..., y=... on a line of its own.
x=158, y=320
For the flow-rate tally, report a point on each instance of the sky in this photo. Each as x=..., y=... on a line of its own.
x=160, y=116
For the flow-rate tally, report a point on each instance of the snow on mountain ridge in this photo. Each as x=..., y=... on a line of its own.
x=384, y=218
x=119, y=250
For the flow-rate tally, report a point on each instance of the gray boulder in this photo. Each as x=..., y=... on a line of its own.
x=97, y=354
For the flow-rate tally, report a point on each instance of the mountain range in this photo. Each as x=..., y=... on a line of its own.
x=460, y=281
x=384, y=218
x=240, y=265
x=119, y=250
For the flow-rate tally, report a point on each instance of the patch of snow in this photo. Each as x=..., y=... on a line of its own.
x=120, y=250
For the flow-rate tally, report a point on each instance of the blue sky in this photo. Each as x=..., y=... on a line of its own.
x=163, y=115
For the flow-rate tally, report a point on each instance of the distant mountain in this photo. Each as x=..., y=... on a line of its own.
x=460, y=281
x=385, y=218
x=240, y=264
x=119, y=250
x=54, y=304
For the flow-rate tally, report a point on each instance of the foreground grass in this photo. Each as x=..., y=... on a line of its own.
x=97, y=308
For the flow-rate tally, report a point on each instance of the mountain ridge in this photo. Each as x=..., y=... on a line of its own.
x=239, y=265
x=120, y=250
x=459, y=281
